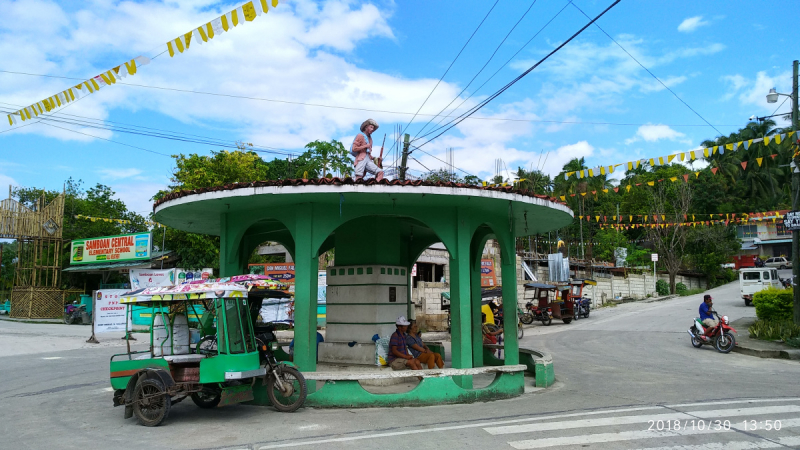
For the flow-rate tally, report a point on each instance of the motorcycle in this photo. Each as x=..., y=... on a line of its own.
x=582, y=307
x=286, y=386
x=720, y=336
x=544, y=315
x=73, y=313
x=786, y=282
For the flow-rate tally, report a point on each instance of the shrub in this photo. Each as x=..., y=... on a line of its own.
x=772, y=330
x=662, y=287
x=774, y=304
x=691, y=292
x=680, y=288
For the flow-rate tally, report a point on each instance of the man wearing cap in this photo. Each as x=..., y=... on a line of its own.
x=361, y=149
x=399, y=358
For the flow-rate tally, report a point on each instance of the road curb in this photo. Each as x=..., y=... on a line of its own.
x=775, y=354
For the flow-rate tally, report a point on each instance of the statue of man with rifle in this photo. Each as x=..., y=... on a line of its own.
x=362, y=151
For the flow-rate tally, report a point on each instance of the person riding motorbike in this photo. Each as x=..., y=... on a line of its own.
x=706, y=317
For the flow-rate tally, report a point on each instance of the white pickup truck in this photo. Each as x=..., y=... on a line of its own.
x=754, y=279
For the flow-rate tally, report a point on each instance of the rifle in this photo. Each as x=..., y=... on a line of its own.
x=379, y=159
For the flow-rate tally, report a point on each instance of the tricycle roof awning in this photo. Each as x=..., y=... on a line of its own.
x=540, y=286
x=250, y=281
x=185, y=292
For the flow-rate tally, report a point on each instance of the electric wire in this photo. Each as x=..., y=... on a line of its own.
x=486, y=101
x=479, y=71
x=109, y=140
x=451, y=64
x=381, y=111
x=651, y=73
x=498, y=70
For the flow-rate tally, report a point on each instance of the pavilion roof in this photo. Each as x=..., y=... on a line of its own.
x=351, y=181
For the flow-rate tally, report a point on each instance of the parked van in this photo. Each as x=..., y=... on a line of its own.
x=754, y=279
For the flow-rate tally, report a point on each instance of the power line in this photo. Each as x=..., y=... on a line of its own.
x=500, y=68
x=109, y=140
x=481, y=69
x=480, y=105
x=451, y=65
x=319, y=105
x=651, y=73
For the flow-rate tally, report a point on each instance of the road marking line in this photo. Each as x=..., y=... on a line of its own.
x=628, y=420
x=455, y=427
x=732, y=402
x=734, y=445
x=627, y=436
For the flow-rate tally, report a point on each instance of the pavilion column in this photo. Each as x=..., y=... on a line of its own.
x=508, y=274
x=460, y=305
x=476, y=253
x=230, y=261
x=305, y=295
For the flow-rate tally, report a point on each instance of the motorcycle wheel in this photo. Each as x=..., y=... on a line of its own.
x=526, y=318
x=547, y=321
x=747, y=303
x=725, y=342
x=576, y=312
x=696, y=343
x=294, y=395
x=67, y=319
x=207, y=398
x=520, y=331
x=567, y=319
x=586, y=314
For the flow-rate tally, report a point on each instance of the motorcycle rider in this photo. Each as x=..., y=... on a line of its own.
x=705, y=313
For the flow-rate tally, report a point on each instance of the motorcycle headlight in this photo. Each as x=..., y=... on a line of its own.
x=273, y=346
x=725, y=320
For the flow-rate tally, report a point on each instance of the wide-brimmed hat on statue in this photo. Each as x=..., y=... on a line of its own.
x=369, y=122
x=402, y=321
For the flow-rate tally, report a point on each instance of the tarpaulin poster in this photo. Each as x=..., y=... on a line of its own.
x=488, y=276
x=109, y=313
x=145, y=278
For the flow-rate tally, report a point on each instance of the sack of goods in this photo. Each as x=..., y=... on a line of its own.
x=698, y=325
x=381, y=351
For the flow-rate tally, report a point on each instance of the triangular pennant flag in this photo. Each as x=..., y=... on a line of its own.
x=773, y=156
x=692, y=155
x=616, y=189
x=705, y=152
x=673, y=179
x=597, y=218
x=766, y=140
x=747, y=144
x=628, y=188
x=605, y=191
x=594, y=192
x=729, y=146
x=583, y=194
x=663, y=217
x=697, y=174
x=714, y=170
x=744, y=165
x=563, y=198
x=651, y=183
x=686, y=178
x=630, y=166
x=652, y=162
x=671, y=157
x=630, y=218
x=758, y=160
x=714, y=149
x=580, y=217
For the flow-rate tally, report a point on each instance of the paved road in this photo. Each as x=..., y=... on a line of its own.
x=617, y=371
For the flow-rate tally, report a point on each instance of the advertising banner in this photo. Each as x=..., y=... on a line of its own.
x=184, y=275
x=283, y=272
x=109, y=313
x=145, y=278
x=488, y=276
x=126, y=247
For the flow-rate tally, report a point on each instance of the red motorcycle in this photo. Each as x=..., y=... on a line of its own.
x=545, y=315
x=721, y=336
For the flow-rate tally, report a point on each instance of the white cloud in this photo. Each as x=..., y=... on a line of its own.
x=137, y=196
x=654, y=133
x=6, y=181
x=753, y=92
x=691, y=24
x=119, y=173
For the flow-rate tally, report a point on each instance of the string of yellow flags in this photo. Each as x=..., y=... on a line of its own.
x=682, y=156
x=120, y=221
x=226, y=22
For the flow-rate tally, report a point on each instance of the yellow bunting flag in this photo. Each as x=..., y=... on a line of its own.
x=697, y=174
x=628, y=188
x=652, y=162
x=244, y=13
x=758, y=160
x=705, y=152
x=583, y=194
x=671, y=157
x=673, y=179
x=651, y=183
x=106, y=78
x=563, y=198
x=766, y=140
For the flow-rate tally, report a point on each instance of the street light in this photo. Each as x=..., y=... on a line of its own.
x=772, y=97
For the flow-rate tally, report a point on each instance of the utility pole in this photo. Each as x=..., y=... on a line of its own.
x=795, y=188
x=404, y=161
x=580, y=222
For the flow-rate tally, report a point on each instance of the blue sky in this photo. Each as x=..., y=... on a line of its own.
x=589, y=100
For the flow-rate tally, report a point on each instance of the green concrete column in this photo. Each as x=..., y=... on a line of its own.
x=476, y=252
x=229, y=258
x=509, y=276
x=460, y=304
x=305, y=294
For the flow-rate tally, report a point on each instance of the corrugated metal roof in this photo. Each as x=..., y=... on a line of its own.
x=349, y=181
x=154, y=256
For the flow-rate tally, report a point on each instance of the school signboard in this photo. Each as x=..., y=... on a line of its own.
x=126, y=247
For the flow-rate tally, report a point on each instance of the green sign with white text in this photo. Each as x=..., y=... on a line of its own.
x=126, y=247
